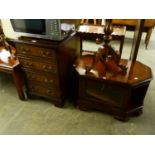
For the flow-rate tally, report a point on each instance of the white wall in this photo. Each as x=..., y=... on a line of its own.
x=7, y=29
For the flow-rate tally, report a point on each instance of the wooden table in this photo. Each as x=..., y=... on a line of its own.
x=121, y=95
x=87, y=31
x=11, y=66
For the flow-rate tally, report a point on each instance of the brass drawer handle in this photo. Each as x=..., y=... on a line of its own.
x=51, y=81
x=45, y=53
x=50, y=92
x=25, y=50
x=28, y=75
x=31, y=76
x=28, y=64
x=33, y=88
x=46, y=80
x=44, y=67
x=47, y=67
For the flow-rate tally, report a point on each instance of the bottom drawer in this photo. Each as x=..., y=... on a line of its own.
x=44, y=91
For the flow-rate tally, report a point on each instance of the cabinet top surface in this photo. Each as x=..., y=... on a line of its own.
x=137, y=73
x=41, y=42
x=98, y=29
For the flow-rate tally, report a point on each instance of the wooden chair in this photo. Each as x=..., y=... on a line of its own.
x=131, y=24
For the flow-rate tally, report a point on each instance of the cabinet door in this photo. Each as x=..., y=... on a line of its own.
x=105, y=93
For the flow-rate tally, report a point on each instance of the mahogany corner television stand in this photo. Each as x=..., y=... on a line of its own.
x=120, y=94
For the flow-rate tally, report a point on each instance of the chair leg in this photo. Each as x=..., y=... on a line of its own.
x=95, y=21
x=147, y=39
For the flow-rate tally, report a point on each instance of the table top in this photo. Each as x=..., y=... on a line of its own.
x=99, y=29
x=136, y=73
x=133, y=22
x=6, y=59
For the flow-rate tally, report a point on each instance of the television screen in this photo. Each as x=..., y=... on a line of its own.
x=36, y=26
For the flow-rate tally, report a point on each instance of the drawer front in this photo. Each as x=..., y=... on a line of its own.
x=44, y=91
x=36, y=51
x=38, y=66
x=51, y=80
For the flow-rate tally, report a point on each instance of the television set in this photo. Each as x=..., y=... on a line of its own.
x=53, y=29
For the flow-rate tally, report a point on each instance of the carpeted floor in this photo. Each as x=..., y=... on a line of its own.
x=41, y=117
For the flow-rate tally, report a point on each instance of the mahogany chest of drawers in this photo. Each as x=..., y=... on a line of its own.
x=45, y=65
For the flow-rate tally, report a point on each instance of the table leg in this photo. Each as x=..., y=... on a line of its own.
x=81, y=46
x=18, y=82
x=121, y=45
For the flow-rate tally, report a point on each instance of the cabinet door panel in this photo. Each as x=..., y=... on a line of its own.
x=103, y=92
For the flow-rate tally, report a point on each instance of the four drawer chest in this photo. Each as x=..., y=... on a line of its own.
x=45, y=65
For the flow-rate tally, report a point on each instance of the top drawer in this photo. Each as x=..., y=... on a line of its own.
x=35, y=51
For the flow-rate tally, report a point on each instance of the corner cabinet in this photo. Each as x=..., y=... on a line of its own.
x=46, y=65
x=121, y=95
